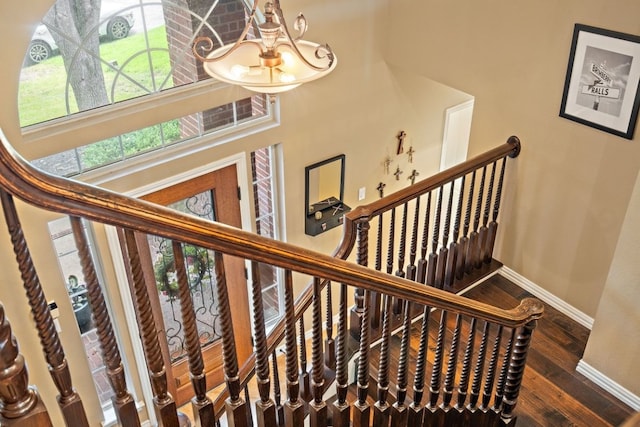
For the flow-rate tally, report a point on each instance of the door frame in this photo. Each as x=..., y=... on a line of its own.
x=456, y=132
x=119, y=266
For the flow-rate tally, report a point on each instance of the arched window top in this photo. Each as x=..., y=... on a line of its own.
x=88, y=55
x=106, y=51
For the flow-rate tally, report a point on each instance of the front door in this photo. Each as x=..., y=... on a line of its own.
x=213, y=196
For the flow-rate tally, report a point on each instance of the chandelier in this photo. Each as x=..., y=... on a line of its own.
x=274, y=63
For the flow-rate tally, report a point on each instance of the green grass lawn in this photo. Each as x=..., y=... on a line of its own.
x=127, y=65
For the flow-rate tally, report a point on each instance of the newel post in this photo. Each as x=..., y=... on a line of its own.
x=19, y=403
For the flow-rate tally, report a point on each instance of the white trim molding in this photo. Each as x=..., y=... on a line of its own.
x=583, y=368
x=457, y=128
x=609, y=385
x=547, y=297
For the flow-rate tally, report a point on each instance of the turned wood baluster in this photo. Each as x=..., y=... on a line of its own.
x=361, y=408
x=203, y=411
x=164, y=404
x=491, y=372
x=381, y=409
x=399, y=411
x=341, y=410
x=235, y=406
x=277, y=396
x=465, y=371
x=376, y=299
x=461, y=265
x=318, y=409
x=478, y=372
x=444, y=250
x=416, y=410
x=516, y=371
x=484, y=231
x=362, y=258
x=123, y=403
x=20, y=405
x=421, y=274
x=403, y=241
x=500, y=384
x=378, y=261
x=411, y=268
x=433, y=256
x=451, y=415
x=305, y=379
x=452, y=259
x=329, y=342
x=294, y=406
x=390, y=252
x=493, y=225
x=431, y=414
x=265, y=407
x=398, y=303
x=472, y=248
x=68, y=399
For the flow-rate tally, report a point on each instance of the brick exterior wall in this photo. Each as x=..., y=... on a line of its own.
x=262, y=195
x=263, y=205
x=228, y=18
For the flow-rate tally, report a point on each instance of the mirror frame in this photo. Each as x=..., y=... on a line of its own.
x=307, y=171
x=317, y=222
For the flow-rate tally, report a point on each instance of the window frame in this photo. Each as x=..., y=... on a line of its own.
x=59, y=135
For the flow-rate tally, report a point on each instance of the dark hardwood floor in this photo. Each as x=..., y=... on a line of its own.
x=553, y=393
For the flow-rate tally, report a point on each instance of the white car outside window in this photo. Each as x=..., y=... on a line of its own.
x=114, y=25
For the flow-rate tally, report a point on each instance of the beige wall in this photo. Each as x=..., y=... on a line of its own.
x=574, y=183
x=620, y=341
x=357, y=110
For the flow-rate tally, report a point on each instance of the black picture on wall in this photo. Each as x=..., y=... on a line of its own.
x=602, y=83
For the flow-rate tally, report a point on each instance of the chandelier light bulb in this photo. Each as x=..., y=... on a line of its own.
x=287, y=78
x=276, y=62
x=239, y=71
x=287, y=59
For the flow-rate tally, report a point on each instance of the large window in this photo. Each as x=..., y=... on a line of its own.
x=132, y=58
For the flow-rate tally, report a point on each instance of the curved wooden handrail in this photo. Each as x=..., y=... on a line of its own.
x=67, y=196
x=364, y=213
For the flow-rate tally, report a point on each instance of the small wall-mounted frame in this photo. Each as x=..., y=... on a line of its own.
x=324, y=195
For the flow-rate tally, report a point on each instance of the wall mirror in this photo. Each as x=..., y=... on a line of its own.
x=324, y=194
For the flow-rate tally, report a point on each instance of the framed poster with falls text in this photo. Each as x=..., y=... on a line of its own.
x=602, y=85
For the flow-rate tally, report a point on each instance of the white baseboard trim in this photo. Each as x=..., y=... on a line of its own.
x=607, y=384
x=568, y=310
x=547, y=297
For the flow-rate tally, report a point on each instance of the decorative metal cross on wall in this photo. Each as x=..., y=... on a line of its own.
x=412, y=177
x=401, y=136
x=397, y=173
x=380, y=189
x=410, y=153
x=387, y=163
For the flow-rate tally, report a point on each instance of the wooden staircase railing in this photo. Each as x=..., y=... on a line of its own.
x=455, y=249
x=501, y=377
